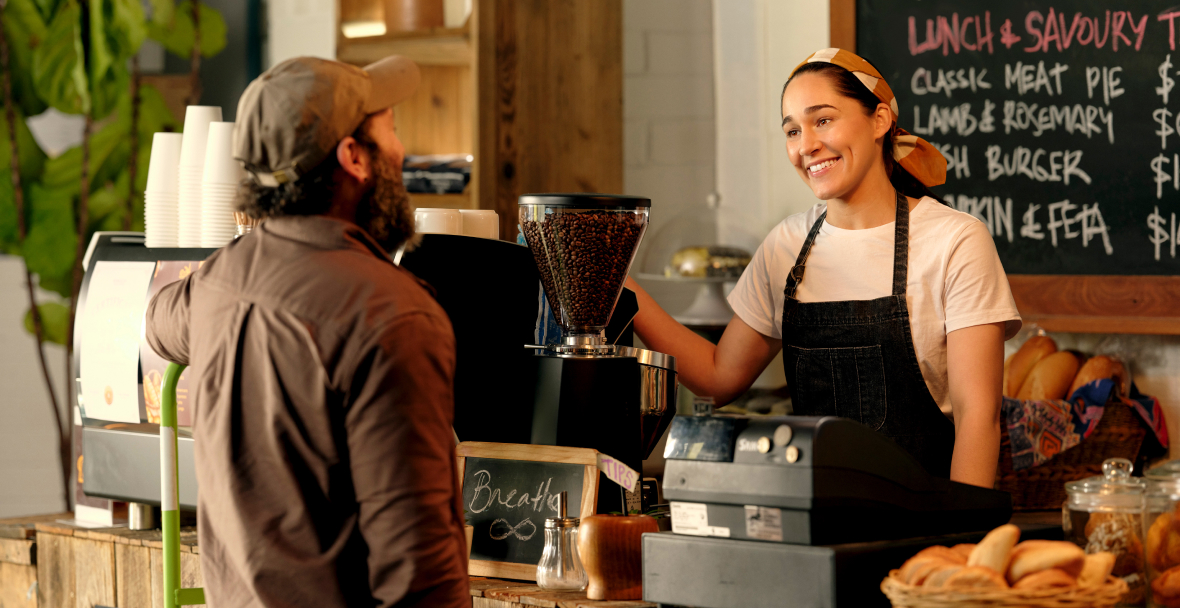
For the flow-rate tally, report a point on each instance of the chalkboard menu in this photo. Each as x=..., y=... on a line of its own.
x=1060, y=123
x=508, y=492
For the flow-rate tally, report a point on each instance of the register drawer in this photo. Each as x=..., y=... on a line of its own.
x=728, y=573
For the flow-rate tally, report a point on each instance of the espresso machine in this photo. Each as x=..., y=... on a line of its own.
x=590, y=392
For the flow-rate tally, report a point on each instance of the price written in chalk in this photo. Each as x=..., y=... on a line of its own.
x=618, y=472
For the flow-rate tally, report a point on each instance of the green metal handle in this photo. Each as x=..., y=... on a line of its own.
x=170, y=495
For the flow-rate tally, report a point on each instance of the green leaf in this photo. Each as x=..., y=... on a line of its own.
x=117, y=30
x=162, y=11
x=47, y=8
x=154, y=115
x=177, y=35
x=107, y=92
x=62, y=284
x=55, y=320
x=58, y=71
x=9, y=236
x=64, y=172
x=24, y=26
x=103, y=204
x=50, y=247
x=31, y=163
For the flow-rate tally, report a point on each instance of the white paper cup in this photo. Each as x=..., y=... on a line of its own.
x=481, y=223
x=438, y=221
x=163, y=174
x=196, y=134
x=220, y=165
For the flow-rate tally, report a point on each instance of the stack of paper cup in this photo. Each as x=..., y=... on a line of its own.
x=192, y=170
x=161, y=199
x=220, y=186
x=481, y=223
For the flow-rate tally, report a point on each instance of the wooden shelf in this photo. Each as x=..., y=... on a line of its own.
x=462, y=200
x=438, y=46
x=1099, y=304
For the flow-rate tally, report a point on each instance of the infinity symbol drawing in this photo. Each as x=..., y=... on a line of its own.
x=512, y=530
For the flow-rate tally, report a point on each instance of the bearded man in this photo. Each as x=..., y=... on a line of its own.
x=322, y=372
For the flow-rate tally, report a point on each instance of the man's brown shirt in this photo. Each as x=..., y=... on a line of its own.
x=323, y=409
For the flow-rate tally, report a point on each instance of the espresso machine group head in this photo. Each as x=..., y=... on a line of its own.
x=591, y=393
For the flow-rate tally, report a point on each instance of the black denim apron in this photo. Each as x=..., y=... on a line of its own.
x=856, y=359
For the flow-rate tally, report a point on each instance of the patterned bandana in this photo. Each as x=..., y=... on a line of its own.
x=913, y=153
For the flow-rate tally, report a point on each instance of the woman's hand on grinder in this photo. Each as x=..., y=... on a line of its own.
x=722, y=371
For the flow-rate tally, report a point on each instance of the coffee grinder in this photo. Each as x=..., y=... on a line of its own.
x=616, y=399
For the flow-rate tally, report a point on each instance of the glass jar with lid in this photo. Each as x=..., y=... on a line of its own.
x=1161, y=534
x=1105, y=513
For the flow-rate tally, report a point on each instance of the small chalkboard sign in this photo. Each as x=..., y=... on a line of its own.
x=508, y=492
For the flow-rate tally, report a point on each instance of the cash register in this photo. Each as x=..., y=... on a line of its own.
x=798, y=511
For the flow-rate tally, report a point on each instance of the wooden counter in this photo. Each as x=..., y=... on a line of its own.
x=48, y=564
x=495, y=593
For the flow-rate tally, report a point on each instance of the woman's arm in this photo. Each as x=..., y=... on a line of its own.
x=724, y=370
x=975, y=368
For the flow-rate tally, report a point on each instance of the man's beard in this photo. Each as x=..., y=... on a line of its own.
x=384, y=212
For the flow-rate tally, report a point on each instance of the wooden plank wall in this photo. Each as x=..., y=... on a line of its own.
x=439, y=119
x=558, y=90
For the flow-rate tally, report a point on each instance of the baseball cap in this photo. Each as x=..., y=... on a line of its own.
x=293, y=115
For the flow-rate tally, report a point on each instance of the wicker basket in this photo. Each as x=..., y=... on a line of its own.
x=1119, y=435
x=908, y=596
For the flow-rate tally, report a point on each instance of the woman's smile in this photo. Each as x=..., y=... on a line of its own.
x=820, y=168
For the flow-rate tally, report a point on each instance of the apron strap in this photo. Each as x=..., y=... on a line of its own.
x=901, y=250
x=796, y=274
x=901, y=245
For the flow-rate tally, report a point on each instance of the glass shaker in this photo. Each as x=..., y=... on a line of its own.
x=1161, y=533
x=560, y=567
x=1105, y=513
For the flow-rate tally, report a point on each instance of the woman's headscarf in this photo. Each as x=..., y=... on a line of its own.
x=913, y=153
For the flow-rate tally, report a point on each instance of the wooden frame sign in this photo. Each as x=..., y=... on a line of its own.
x=509, y=490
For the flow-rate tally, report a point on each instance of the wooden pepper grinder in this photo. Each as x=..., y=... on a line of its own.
x=612, y=553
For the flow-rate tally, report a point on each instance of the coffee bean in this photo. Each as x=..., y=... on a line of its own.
x=583, y=258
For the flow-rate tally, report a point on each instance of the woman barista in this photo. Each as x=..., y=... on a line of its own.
x=891, y=307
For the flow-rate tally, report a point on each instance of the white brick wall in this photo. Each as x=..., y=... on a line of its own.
x=669, y=135
x=30, y=482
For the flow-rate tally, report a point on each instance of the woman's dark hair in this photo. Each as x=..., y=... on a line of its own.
x=849, y=86
x=311, y=194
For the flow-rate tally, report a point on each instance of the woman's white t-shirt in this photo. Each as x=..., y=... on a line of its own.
x=955, y=278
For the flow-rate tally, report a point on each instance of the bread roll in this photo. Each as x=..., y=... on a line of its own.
x=993, y=551
x=939, y=576
x=1033, y=350
x=943, y=553
x=1163, y=543
x=1031, y=557
x=975, y=577
x=1050, y=377
x=1166, y=587
x=1046, y=579
x=1099, y=368
x=1095, y=569
x=917, y=568
x=964, y=549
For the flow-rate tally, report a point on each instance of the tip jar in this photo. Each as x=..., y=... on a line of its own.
x=560, y=567
x=1105, y=513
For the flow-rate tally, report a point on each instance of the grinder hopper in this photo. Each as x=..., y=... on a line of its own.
x=583, y=245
